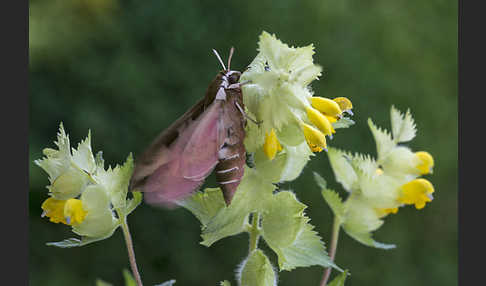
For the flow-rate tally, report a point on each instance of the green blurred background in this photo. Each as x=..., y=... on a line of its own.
x=126, y=69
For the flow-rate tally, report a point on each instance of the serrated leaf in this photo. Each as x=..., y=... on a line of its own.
x=129, y=280
x=403, y=126
x=252, y=195
x=340, y=279
x=343, y=171
x=167, y=283
x=383, y=140
x=286, y=230
x=364, y=165
x=205, y=205
x=344, y=122
x=334, y=201
x=256, y=270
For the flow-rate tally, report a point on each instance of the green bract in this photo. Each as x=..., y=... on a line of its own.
x=256, y=270
x=78, y=175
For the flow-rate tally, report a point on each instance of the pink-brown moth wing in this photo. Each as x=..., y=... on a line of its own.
x=189, y=159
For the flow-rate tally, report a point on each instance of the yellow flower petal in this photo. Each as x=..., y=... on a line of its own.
x=326, y=106
x=331, y=119
x=315, y=138
x=344, y=103
x=54, y=210
x=426, y=162
x=271, y=145
x=418, y=192
x=320, y=121
x=74, y=212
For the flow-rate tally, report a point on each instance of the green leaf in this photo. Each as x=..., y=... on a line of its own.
x=205, y=205
x=256, y=270
x=339, y=280
x=253, y=194
x=100, y=282
x=335, y=202
x=167, y=283
x=343, y=171
x=116, y=182
x=321, y=182
x=286, y=230
x=403, y=126
x=224, y=283
x=133, y=203
x=344, y=122
x=384, y=142
x=129, y=280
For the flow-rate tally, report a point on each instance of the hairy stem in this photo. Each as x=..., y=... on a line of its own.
x=131, y=252
x=332, y=251
x=254, y=231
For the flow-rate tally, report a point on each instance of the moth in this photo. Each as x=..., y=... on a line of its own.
x=209, y=136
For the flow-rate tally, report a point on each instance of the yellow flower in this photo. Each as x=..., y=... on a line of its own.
x=320, y=121
x=345, y=104
x=426, y=162
x=315, y=138
x=327, y=106
x=69, y=212
x=271, y=145
x=418, y=192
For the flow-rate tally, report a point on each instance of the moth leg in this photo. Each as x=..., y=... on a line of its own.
x=246, y=115
x=238, y=84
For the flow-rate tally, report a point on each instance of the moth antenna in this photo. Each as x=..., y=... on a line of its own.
x=219, y=58
x=230, y=56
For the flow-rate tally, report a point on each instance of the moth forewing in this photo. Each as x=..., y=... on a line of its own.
x=208, y=136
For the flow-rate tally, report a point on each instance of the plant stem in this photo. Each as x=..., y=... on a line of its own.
x=131, y=253
x=254, y=231
x=332, y=251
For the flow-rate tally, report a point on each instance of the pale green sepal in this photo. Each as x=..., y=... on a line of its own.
x=116, y=182
x=286, y=230
x=167, y=283
x=69, y=184
x=403, y=126
x=384, y=142
x=335, y=202
x=58, y=161
x=343, y=171
x=344, y=122
x=366, y=239
x=99, y=221
x=100, y=282
x=75, y=242
x=362, y=219
x=205, y=205
x=224, y=283
x=83, y=156
x=339, y=279
x=364, y=165
x=400, y=162
x=129, y=280
x=256, y=270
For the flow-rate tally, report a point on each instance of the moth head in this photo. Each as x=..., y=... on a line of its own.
x=233, y=76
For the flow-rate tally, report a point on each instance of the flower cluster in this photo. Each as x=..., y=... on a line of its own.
x=294, y=123
x=380, y=187
x=82, y=194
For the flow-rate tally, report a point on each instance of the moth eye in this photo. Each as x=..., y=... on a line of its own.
x=234, y=78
